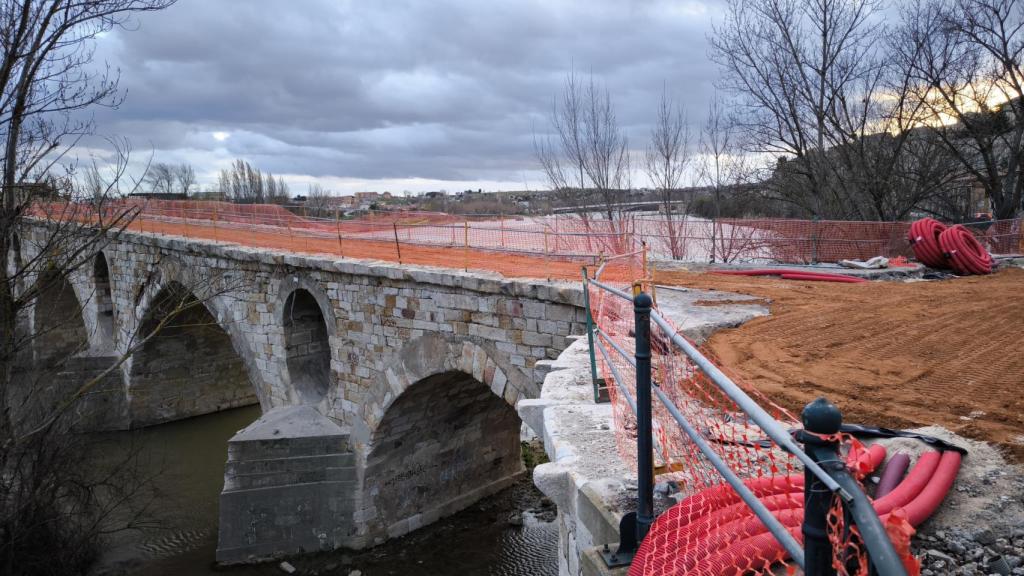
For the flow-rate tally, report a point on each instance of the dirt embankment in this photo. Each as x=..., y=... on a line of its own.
x=888, y=353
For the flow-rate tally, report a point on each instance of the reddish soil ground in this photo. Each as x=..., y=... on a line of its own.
x=887, y=353
x=508, y=264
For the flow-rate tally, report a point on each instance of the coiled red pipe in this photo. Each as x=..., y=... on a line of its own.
x=708, y=502
x=924, y=239
x=742, y=545
x=966, y=254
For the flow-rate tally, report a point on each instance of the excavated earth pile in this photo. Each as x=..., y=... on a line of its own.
x=894, y=354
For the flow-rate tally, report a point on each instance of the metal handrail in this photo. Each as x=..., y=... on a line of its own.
x=616, y=375
x=760, y=510
x=779, y=434
x=882, y=553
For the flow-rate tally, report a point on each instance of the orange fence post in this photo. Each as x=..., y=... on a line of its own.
x=465, y=246
x=398, y=247
x=214, y=222
x=337, y=221
x=644, y=250
x=546, y=256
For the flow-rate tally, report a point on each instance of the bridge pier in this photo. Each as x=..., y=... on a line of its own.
x=289, y=486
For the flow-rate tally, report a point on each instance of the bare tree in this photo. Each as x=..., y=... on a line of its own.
x=245, y=183
x=588, y=159
x=185, y=178
x=803, y=75
x=723, y=169
x=51, y=514
x=965, y=60
x=665, y=161
x=46, y=77
x=318, y=198
x=276, y=189
x=160, y=178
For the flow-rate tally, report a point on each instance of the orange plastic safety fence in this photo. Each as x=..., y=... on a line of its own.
x=796, y=241
x=711, y=531
x=514, y=248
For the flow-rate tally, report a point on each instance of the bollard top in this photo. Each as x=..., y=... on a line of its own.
x=642, y=300
x=821, y=417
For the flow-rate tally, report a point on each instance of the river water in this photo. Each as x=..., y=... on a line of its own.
x=508, y=534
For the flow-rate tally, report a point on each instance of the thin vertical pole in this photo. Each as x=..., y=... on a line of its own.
x=546, y=254
x=644, y=260
x=590, y=336
x=337, y=223
x=465, y=246
x=398, y=247
x=215, y=222
x=815, y=232
x=644, y=437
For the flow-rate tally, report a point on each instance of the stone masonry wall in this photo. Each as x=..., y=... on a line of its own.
x=188, y=368
x=388, y=327
x=446, y=437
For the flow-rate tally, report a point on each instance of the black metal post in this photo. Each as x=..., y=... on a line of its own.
x=820, y=417
x=644, y=438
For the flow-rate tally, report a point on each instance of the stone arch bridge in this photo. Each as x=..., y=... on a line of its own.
x=387, y=392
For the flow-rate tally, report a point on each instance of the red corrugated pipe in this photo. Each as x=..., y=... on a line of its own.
x=743, y=544
x=965, y=253
x=924, y=239
x=793, y=274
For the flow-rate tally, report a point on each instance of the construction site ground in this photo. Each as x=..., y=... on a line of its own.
x=900, y=354
x=509, y=263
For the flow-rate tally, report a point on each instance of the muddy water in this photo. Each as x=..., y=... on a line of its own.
x=509, y=534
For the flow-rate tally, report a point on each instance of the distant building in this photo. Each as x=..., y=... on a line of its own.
x=168, y=195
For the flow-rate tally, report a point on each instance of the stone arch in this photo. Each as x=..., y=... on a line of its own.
x=104, y=302
x=445, y=435
x=194, y=364
x=308, y=325
x=59, y=330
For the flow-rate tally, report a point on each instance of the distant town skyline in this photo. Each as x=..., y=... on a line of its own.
x=403, y=96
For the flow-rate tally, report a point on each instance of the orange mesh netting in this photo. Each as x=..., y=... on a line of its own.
x=533, y=246
x=797, y=241
x=512, y=247
x=712, y=531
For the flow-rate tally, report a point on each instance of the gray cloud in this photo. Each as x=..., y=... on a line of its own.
x=377, y=94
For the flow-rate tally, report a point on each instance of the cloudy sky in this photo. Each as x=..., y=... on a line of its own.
x=392, y=95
